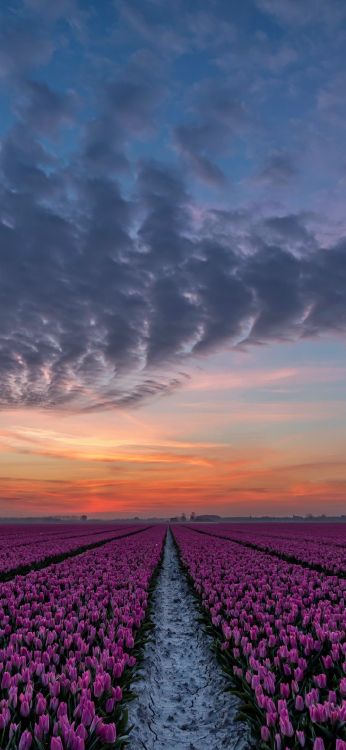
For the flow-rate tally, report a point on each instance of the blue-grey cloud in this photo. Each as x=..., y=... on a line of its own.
x=218, y=117
x=91, y=306
x=296, y=13
x=278, y=169
x=117, y=266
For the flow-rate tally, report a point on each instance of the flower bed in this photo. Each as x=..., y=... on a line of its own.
x=69, y=639
x=21, y=552
x=281, y=634
x=300, y=544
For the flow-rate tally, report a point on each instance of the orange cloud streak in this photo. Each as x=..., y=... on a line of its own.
x=198, y=450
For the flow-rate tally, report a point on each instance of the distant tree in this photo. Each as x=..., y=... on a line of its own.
x=193, y=516
x=183, y=517
x=84, y=518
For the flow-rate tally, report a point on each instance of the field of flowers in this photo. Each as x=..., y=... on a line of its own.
x=23, y=547
x=281, y=634
x=69, y=639
x=321, y=546
x=71, y=631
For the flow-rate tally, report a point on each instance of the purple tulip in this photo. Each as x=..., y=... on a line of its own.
x=265, y=733
x=13, y=696
x=81, y=732
x=25, y=741
x=98, y=687
x=41, y=704
x=107, y=733
x=6, y=681
x=109, y=706
x=56, y=744
x=318, y=744
x=13, y=729
x=320, y=680
x=78, y=743
x=25, y=708
x=44, y=723
x=62, y=710
x=54, y=689
x=286, y=727
x=118, y=693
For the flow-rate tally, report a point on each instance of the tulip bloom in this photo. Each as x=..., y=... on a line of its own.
x=25, y=741
x=318, y=744
x=265, y=734
x=107, y=733
x=300, y=735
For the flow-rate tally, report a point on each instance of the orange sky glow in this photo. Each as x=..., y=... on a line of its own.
x=263, y=440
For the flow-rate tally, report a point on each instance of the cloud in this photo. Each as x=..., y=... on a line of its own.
x=193, y=141
x=42, y=109
x=126, y=109
x=290, y=231
x=23, y=46
x=112, y=276
x=297, y=13
x=69, y=10
x=278, y=169
x=100, y=303
x=219, y=115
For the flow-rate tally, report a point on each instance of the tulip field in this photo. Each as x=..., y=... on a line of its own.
x=21, y=551
x=280, y=626
x=68, y=645
x=323, y=547
x=74, y=620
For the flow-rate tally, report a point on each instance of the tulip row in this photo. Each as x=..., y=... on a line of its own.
x=22, y=553
x=281, y=633
x=69, y=636
x=315, y=552
x=323, y=533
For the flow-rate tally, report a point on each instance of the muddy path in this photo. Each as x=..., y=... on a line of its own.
x=181, y=703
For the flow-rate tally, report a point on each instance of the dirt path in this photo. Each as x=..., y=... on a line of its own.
x=181, y=704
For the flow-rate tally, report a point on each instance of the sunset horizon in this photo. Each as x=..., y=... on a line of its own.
x=173, y=259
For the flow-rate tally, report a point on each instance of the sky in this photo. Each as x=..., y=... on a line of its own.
x=172, y=257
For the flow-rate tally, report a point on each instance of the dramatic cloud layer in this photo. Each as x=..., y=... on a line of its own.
x=117, y=267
